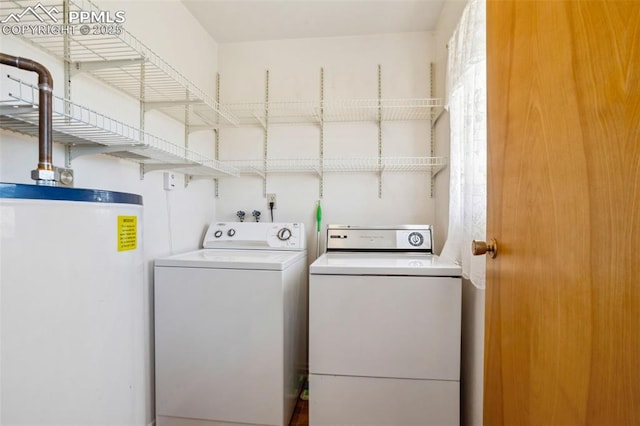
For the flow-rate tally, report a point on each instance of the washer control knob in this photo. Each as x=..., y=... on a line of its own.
x=284, y=234
x=217, y=234
x=416, y=239
x=231, y=232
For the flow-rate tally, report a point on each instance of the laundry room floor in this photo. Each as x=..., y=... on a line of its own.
x=300, y=414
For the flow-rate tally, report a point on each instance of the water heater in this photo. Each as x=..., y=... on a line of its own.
x=72, y=306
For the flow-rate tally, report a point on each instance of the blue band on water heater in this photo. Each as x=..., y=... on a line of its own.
x=38, y=192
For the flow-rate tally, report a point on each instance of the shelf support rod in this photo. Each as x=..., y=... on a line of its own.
x=10, y=110
x=321, y=162
x=142, y=111
x=380, y=130
x=432, y=131
x=186, y=133
x=216, y=142
x=142, y=98
x=265, y=145
x=186, y=122
x=67, y=156
x=66, y=51
x=67, y=58
x=88, y=66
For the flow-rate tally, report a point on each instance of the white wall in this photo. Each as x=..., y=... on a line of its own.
x=173, y=221
x=350, y=72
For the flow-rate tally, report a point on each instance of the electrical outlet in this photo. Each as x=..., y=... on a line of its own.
x=169, y=181
x=271, y=198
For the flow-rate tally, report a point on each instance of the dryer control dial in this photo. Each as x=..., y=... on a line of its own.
x=231, y=232
x=416, y=239
x=284, y=234
x=218, y=233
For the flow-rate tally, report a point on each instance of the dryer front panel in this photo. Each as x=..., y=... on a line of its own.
x=385, y=326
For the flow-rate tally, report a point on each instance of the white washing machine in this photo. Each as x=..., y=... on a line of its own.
x=384, y=330
x=231, y=327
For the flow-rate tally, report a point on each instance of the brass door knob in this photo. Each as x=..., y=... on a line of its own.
x=481, y=247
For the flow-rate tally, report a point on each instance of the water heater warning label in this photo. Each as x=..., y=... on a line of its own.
x=127, y=233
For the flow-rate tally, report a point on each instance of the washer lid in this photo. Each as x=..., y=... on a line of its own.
x=270, y=260
x=408, y=264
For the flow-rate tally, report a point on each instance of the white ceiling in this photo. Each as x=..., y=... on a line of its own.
x=250, y=20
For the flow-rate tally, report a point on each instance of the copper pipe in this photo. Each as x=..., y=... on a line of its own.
x=45, y=121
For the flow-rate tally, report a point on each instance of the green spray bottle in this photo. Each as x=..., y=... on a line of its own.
x=318, y=227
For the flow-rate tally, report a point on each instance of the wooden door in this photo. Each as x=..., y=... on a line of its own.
x=562, y=342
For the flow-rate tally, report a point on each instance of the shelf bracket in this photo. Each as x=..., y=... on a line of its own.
x=381, y=170
x=437, y=169
x=255, y=170
x=73, y=152
x=260, y=120
x=316, y=116
x=89, y=66
x=151, y=105
x=193, y=128
x=209, y=125
x=437, y=118
x=189, y=178
x=146, y=168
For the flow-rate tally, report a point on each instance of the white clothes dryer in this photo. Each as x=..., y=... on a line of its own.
x=384, y=330
x=231, y=327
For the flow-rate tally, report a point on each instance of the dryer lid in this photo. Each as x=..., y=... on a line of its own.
x=386, y=264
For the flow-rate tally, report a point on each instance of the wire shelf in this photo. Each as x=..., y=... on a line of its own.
x=87, y=131
x=118, y=59
x=295, y=112
x=329, y=165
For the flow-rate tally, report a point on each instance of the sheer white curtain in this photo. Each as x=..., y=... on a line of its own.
x=466, y=102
